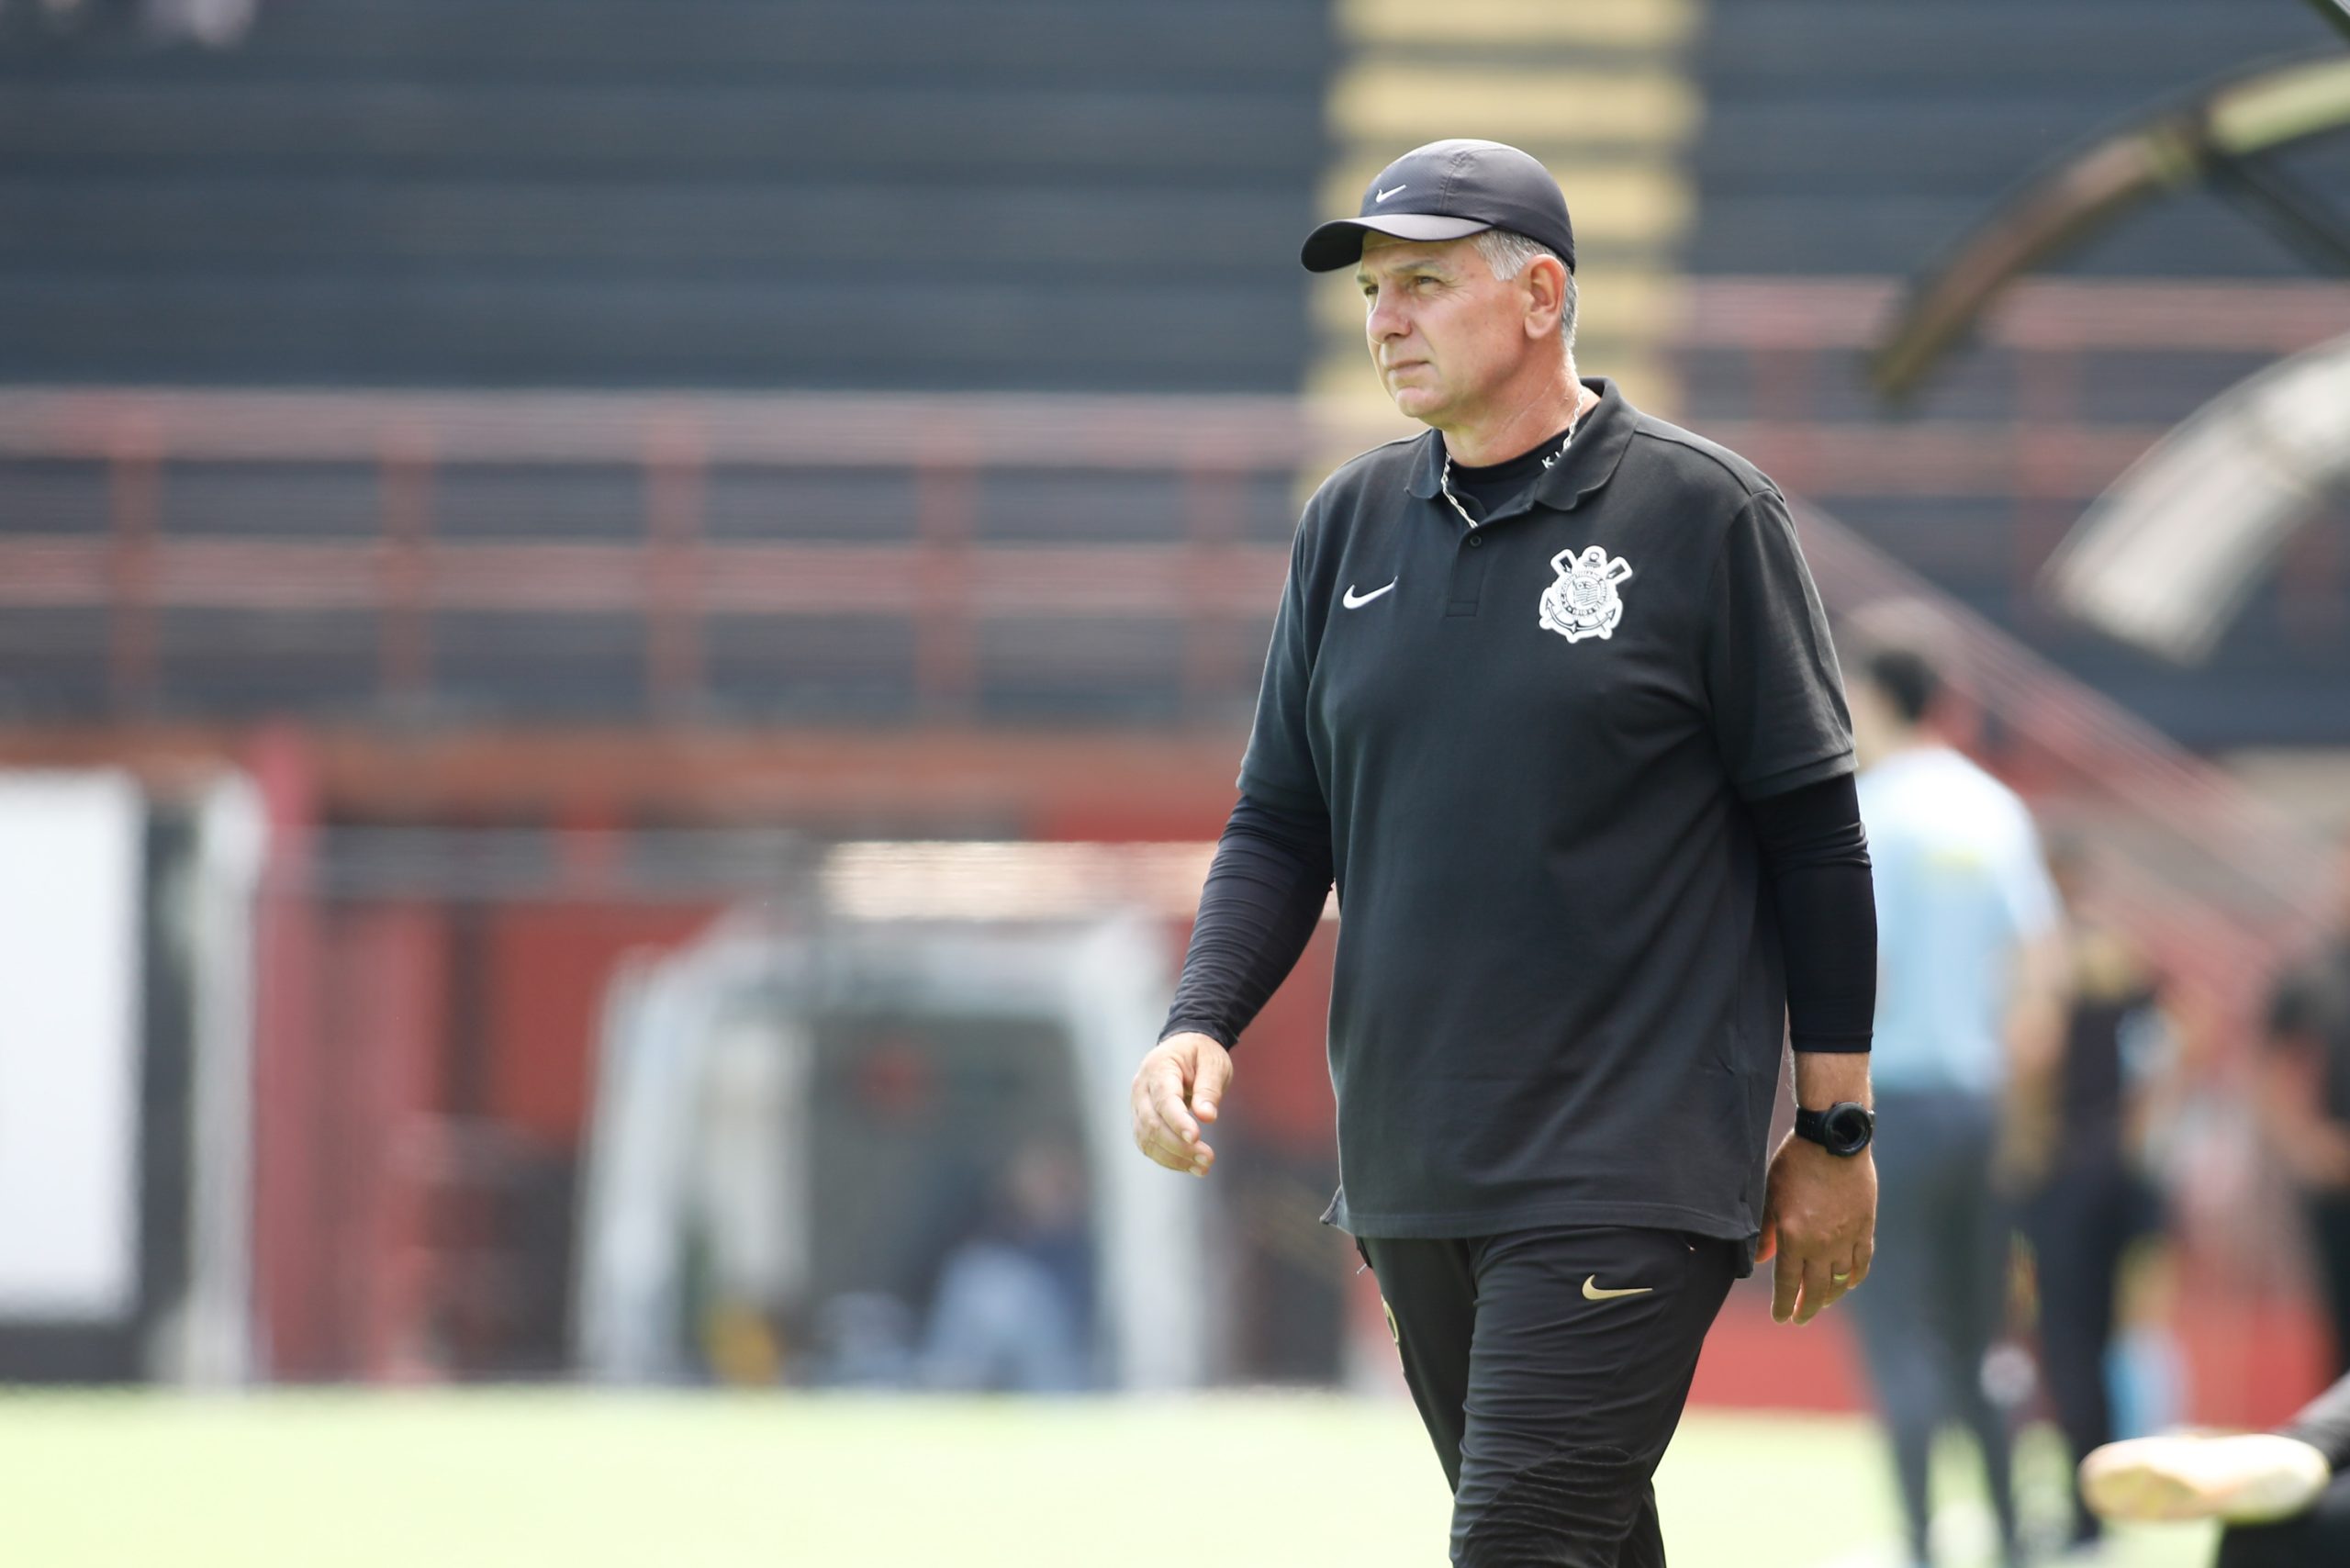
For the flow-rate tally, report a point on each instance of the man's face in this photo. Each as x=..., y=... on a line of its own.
x=1443, y=332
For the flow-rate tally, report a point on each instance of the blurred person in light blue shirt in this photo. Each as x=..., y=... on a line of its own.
x=1969, y=1014
x=1963, y=894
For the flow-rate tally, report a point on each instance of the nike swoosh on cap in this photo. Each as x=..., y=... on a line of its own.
x=1382, y=196
x=1351, y=601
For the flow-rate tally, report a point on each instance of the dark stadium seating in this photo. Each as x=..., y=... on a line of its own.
x=950, y=196
x=1064, y=195
x=706, y=193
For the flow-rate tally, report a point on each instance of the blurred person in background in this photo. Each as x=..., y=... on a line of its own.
x=2305, y=1102
x=2282, y=1494
x=1970, y=1016
x=2087, y=1198
x=1015, y=1308
x=1550, y=694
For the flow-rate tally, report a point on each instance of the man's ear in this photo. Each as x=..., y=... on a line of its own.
x=1545, y=284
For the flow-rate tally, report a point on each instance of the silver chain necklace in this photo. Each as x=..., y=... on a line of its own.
x=1444, y=480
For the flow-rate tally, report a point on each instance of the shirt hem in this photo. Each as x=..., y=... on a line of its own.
x=1493, y=1222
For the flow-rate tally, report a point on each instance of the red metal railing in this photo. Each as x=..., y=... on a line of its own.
x=2041, y=454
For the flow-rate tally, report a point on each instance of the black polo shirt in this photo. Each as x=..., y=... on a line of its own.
x=1558, y=996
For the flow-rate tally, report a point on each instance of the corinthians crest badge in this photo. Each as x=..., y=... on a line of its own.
x=1582, y=602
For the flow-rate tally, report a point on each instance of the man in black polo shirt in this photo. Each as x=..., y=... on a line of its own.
x=1551, y=696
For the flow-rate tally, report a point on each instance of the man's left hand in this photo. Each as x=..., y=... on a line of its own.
x=1819, y=1218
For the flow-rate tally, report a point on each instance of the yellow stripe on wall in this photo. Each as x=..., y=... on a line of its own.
x=1387, y=101
x=1614, y=24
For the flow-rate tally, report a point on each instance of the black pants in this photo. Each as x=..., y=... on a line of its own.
x=1550, y=1366
x=2319, y=1537
x=2322, y=1534
x=2329, y=1220
x=1936, y=1296
x=2081, y=1225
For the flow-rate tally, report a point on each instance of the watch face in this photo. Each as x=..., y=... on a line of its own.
x=1847, y=1127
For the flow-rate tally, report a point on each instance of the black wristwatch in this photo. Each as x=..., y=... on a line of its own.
x=1843, y=1129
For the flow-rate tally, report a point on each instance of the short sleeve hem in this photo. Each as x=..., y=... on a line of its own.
x=1781, y=780
x=1282, y=797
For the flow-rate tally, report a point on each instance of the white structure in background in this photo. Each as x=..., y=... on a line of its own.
x=70, y=1046
x=74, y=909
x=2167, y=555
x=703, y=1102
x=209, y=1340
x=663, y=1142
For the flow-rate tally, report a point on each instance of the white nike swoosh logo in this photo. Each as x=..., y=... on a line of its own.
x=1353, y=603
x=1590, y=1290
x=1384, y=195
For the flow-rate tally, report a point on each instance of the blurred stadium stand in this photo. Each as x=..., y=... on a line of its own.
x=698, y=192
x=1011, y=197
x=536, y=557
x=1843, y=139
x=1845, y=144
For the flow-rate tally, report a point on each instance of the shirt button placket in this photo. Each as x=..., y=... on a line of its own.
x=1468, y=581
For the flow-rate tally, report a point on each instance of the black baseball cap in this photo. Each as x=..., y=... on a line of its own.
x=1447, y=190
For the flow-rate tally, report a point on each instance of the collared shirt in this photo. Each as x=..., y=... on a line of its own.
x=1558, y=996
x=1960, y=886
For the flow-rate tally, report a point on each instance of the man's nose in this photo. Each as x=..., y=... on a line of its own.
x=1386, y=319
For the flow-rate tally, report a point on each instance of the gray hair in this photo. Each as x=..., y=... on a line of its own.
x=1506, y=252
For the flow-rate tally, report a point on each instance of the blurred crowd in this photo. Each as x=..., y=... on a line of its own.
x=2035, y=1088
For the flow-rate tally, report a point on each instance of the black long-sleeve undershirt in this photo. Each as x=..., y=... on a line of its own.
x=1271, y=874
x=1816, y=855
x=1264, y=892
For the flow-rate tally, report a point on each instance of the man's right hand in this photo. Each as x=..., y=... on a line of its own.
x=1180, y=1084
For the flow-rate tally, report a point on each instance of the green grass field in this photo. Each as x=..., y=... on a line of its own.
x=586, y=1480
